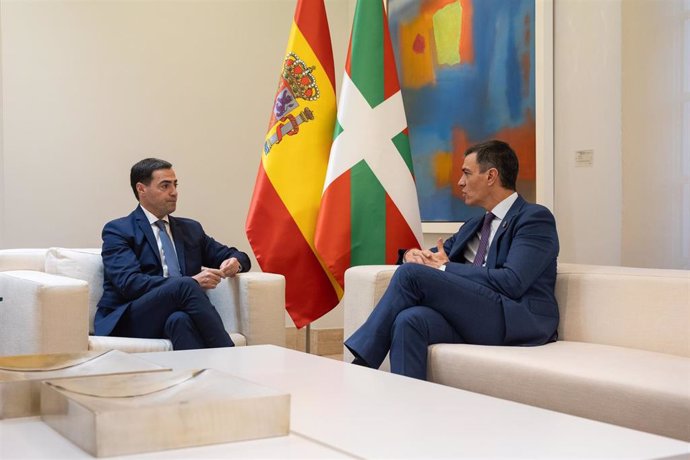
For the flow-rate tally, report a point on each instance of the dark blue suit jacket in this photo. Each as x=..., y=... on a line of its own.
x=132, y=264
x=520, y=267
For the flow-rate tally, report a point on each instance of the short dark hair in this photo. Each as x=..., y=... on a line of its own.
x=143, y=170
x=499, y=155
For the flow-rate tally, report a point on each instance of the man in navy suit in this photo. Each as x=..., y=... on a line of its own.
x=491, y=283
x=156, y=268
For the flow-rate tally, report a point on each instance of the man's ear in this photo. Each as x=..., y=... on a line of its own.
x=492, y=176
x=140, y=187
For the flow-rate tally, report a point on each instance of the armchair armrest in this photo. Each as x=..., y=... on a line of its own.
x=253, y=304
x=364, y=286
x=42, y=313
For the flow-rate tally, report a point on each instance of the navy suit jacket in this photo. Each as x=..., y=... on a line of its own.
x=132, y=264
x=520, y=267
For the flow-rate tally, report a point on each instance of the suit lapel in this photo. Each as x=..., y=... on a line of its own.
x=505, y=223
x=145, y=227
x=467, y=231
x=179, y=242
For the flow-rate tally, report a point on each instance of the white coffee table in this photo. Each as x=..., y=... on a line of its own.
x=340, y=410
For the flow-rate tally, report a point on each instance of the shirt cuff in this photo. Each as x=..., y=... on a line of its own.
x=442, y=268
x=402, y=257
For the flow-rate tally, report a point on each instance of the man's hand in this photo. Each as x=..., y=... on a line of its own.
x=438, y=258
x=426, y=257
x=230, y=267
x=209, y=278
x=413, y=256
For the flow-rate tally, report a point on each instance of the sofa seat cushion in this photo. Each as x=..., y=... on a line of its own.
x=135, y=345
x=639, y=389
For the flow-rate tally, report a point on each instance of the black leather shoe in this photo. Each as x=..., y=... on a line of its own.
x=359, y=362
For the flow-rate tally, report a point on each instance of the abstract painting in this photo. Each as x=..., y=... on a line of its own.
x=467, y=74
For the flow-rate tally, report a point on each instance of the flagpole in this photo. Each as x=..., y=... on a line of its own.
x=307, y=346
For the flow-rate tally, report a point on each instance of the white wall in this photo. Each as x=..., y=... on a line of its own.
x=619, y=79
x=655, y=232
x=587, y=115
x=91, y=87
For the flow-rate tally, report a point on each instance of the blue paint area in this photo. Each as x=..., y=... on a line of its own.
x=480, y=98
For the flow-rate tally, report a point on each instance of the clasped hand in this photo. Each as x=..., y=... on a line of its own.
x=208, y=278
x=426, y=257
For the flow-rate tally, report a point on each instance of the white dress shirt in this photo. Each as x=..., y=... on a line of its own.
x=156, y=232
x=500, y=211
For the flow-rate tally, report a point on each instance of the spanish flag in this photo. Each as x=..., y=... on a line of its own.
x=294, y=157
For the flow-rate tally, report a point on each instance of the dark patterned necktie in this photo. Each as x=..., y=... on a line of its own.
x=483, y=240
x=168, y=251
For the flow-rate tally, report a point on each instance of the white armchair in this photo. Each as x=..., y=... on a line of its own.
x=50, y=298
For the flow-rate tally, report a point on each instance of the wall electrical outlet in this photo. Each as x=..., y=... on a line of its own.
x=584, y=158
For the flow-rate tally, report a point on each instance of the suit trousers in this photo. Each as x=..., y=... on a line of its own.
x=180, y=311
x=422, y=306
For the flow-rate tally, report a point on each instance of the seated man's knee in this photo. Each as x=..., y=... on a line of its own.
x=177, y=320
x=411, y=319
x=408, y=272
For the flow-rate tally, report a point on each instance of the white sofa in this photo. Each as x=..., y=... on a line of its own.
x=623, y=354
x=50, y=298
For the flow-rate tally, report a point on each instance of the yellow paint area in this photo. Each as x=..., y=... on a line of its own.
x=447, y=29
x=442, y=166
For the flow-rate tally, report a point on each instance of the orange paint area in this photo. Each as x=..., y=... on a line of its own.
x=521, y=138
x=416, y=53
x=466, y=43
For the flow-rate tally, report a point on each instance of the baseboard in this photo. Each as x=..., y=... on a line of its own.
x=323, y=341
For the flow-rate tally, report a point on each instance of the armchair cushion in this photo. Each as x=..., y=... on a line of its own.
x=82, y=264
x=22, y=259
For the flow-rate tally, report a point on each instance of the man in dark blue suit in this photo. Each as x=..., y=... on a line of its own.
x=492, y=283
x=156, y=268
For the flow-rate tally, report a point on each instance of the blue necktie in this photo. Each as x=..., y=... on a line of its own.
x=168, y=251
x=483, y=240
